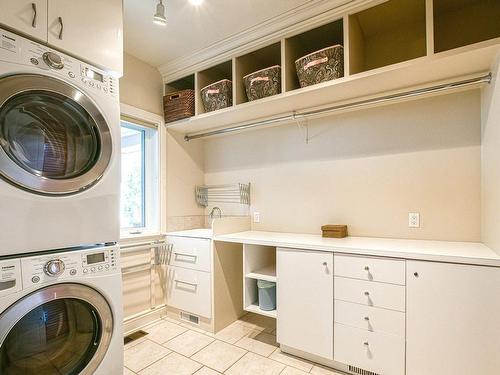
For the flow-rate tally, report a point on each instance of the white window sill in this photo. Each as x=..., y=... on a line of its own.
x=146, y=236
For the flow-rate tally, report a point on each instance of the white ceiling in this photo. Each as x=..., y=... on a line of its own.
x=192, y=28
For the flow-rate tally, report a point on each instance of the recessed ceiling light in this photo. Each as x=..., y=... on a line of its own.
x=196, y=2
x=159, y=18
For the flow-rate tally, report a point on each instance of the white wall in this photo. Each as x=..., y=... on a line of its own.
x=491, y=162
x=367, y=169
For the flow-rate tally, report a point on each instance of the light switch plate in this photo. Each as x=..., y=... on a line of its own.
x=414, y=220
x=256, y=217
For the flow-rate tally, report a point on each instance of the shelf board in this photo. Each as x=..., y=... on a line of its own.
x=445, y=66
x=256, y=310
x=268, y=274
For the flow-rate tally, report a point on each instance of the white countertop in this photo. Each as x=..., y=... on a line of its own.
x=441, y=251
x=193, y=233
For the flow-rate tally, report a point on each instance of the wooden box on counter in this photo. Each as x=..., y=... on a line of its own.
x=334, y=231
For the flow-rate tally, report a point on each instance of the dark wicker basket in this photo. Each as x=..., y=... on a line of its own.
x=217, y=95
x=178, y=105
x=320, y=66
x=263, y=83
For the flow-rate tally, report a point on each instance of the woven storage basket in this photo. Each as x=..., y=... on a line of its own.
x=320, y=66
x=178, y=105
x=263, y=83
x=217, y=95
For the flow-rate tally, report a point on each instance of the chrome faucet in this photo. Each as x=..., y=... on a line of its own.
x=216, y=211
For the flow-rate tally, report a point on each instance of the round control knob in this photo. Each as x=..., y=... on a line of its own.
x=54, y=267
x=53, y=60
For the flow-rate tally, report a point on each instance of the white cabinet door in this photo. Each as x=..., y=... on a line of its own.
x=453, y=319
x=27, y=17
x=89, y=29
x=305, y=301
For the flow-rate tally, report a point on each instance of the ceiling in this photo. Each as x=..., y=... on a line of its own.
x=192, y=28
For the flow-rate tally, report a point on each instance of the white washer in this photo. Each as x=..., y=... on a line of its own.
x=61, y=313
x=59, y=150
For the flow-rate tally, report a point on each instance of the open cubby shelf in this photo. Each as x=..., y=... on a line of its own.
x=458, y=23
x=386, y=46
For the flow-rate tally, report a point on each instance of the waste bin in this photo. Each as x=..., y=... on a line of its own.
x=267, y=295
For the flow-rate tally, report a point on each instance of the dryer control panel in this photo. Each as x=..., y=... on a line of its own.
x=43, y=268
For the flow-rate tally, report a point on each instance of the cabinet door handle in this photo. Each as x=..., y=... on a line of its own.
x=33, y=22
x=367, y=318
x=367, y=269
x=186, y=282
x=367, y=293
x=62, y=28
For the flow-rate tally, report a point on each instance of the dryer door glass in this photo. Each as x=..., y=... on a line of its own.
x=53, y=138
x=63, y=336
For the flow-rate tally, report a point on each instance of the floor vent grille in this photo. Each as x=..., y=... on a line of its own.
x=190, y=318
x=134, y=336
x=360, y=371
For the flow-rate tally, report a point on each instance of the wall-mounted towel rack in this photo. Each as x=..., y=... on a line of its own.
x=229, y=193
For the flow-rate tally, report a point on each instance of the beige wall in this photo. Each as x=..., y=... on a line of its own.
x=491, y=162
x=367, y=169
x=142, y=87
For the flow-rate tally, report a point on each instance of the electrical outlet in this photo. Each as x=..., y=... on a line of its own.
x=256, y=217
x=413, y=220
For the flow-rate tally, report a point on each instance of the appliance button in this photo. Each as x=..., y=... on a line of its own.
x=72, y=272
x=54, y=267
x=92, y=84
x=92, y=269
x=105, y=89
x=53, y=60
x=98, y=86
x=106, y=266
x=34, y=61
x=85, y=270
x=99, y=268
x=71, y=74
x=35, y=279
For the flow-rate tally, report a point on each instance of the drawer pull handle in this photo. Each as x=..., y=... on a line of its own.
x=367, y=294
x=367, y=269
x=366, y=343
x=325, y=264
x=186, y=282
x=367, y=318
x=415, y=274
x=185, y=255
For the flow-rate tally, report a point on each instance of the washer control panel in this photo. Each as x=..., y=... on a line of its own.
x=44, y=268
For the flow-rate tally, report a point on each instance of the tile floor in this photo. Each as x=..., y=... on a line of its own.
x=247, y=346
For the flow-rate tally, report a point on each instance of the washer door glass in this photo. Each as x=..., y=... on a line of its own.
x=60, y=336
x=53, y=138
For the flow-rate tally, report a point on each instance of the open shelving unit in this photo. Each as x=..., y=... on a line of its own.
x=184, y=83
x=389, y=47
x=259, y=263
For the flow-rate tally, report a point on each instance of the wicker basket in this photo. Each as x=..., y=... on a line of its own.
x=263, y=83
x=320, y=66
x=178, y=105
x=217, y=95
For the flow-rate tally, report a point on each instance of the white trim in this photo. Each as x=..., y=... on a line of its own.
x=313, y=14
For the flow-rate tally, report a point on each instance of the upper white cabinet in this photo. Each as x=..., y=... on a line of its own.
x=28, y=17
x=88, y=29
x=453, y=319
x=305, y=301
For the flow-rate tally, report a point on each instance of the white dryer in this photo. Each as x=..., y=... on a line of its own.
x=59, y=150
x=61, y=313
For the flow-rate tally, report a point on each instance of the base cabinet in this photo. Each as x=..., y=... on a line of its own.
x=305, y=301
x=453, y=319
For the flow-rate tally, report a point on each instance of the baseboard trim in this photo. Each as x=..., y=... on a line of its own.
x=136, y=322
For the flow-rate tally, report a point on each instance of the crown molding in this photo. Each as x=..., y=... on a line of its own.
x=312, y=14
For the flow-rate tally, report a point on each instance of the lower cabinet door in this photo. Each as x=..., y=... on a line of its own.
x=305, y=301
x=375, y=352
x=452, y=319
x=189, y=290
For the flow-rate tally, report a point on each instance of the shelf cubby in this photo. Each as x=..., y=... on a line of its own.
x=386, y=34
x=185, y=83
x=305, y=43
x=458, y=23
x=251, y=62
x=209, y=76
x=259, y=263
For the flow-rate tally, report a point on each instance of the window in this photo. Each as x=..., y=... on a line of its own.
x=139, y=178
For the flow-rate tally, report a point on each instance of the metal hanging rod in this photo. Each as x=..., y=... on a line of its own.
x=361, y=103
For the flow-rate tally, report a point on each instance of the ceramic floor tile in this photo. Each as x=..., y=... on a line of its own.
x=233, y=333
x=206, y=371
x=219, y=355
x=126, y=371
x=196, y=329
x=174, y=364
x=321, y=370
x=293, y=371
x=189, y=343
x=258, y=342
x=291, y=360
x=164, y=331
x=144, y=354
x=255, y=364
x=259, y=322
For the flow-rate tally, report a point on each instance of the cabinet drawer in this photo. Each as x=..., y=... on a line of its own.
x=193, y=253
x=370, y=318
x=189, y=290
x=370, y=269
x=380, y=353
x=369, y=293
